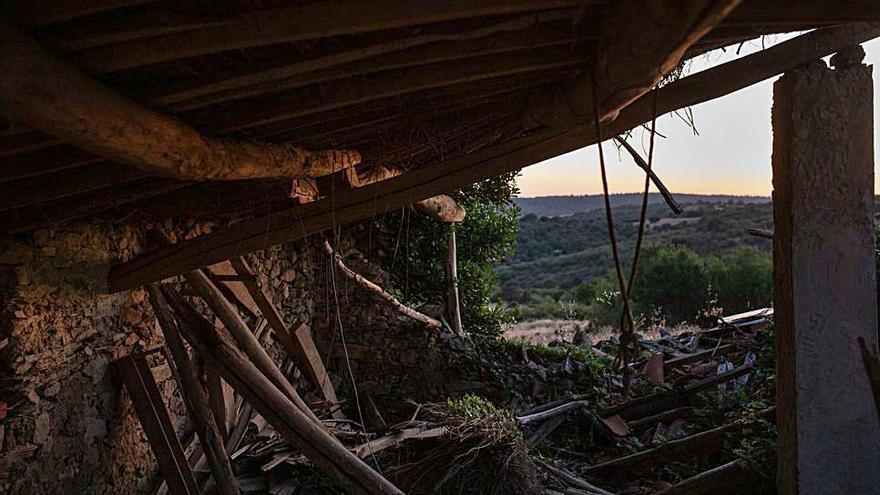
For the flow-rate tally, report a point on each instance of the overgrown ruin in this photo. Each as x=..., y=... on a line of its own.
x=192, y=290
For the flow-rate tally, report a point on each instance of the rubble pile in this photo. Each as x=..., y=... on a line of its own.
x=700, y=420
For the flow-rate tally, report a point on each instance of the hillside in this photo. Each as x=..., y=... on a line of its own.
x=555, y=255
x=557, y=206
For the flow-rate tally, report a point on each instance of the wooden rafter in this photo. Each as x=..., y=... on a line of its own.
x=653, y=36
x=457, y=172
x=66, y=183
x=58, y=99
x=287, y=106
x=38, y=12
x=302, y=22
x=395, y=54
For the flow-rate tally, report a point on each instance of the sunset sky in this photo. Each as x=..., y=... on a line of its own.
x=731, y=154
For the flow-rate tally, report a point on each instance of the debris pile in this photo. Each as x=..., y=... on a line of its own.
x=698, y=420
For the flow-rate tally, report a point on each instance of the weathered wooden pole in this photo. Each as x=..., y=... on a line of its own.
x=195, y=398
x=453, y=310
x=824, y=277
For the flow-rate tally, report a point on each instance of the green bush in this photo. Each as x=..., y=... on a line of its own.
x=674, y=284
x=484, y=238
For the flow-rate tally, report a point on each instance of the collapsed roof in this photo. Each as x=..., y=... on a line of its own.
x=156, y=108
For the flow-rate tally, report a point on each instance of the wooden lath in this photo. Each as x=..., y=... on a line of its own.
x=299, y=222
x=274, y=108
x=285, y=25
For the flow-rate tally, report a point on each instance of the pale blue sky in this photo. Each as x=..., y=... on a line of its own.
x=730, y=155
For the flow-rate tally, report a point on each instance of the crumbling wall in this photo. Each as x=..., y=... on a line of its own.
x=70, y=428
x=392, y=358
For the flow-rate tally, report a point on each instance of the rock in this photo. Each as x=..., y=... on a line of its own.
x=42, y=427
x=52, y=390
x=288, y=275
x=33, y=396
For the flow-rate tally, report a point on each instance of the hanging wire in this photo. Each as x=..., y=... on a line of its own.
x=627, y=326
x=335, y=291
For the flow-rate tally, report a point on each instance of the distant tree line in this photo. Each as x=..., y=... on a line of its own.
x=674, y=285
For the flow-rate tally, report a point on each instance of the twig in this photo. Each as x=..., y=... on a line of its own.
x=661, y=188
x=375, y=289
x=572, y=479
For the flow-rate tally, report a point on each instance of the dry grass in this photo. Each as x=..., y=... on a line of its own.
x=544, y=331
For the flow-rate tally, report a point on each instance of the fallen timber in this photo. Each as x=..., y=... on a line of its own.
x=330, y=456
x=415, y=185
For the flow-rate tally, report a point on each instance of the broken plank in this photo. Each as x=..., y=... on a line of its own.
x=297, y=342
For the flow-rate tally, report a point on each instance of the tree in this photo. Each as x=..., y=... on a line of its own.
x=671, y=284
x=742, y=279
x=485, y=238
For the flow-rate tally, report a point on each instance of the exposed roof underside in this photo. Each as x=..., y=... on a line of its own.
x=406, y=85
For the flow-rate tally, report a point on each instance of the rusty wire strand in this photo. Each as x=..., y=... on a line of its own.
x=626, y=331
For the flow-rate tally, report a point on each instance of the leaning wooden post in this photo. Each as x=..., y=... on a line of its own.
x=452, y=306
x=824, y=277
x=195, y=398
x=329, y=456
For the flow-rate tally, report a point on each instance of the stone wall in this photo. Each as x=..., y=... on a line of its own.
x=393, y=359
x=69, y=428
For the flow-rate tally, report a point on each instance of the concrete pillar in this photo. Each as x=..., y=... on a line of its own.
x=824, y=279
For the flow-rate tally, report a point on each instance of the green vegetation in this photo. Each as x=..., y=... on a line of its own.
x=557, y=353
x=675, y=285
x=470, y=406
x=485, y=238
x=702, y=260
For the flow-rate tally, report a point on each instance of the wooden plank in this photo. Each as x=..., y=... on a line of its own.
x=303, y=22
x=330, y=457
x=196, y=399
x=457, y=172
x=135, y=374
x=238, y=288
x=297, y=342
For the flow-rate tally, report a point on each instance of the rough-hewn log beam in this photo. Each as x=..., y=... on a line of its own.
x=302, y=22
x=58, y=99
x=441, y=208
x=460, y=171
x=38, y=12
x=652, y=36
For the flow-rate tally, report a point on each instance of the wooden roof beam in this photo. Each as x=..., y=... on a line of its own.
x=454, y=173
x=255, y=112
x=58, y=99
x=302, y=22
x=395, y=54
x=641, y=42
x=40, y=12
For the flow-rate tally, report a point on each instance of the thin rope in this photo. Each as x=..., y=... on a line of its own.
x=354, y=388
x=626, y=328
